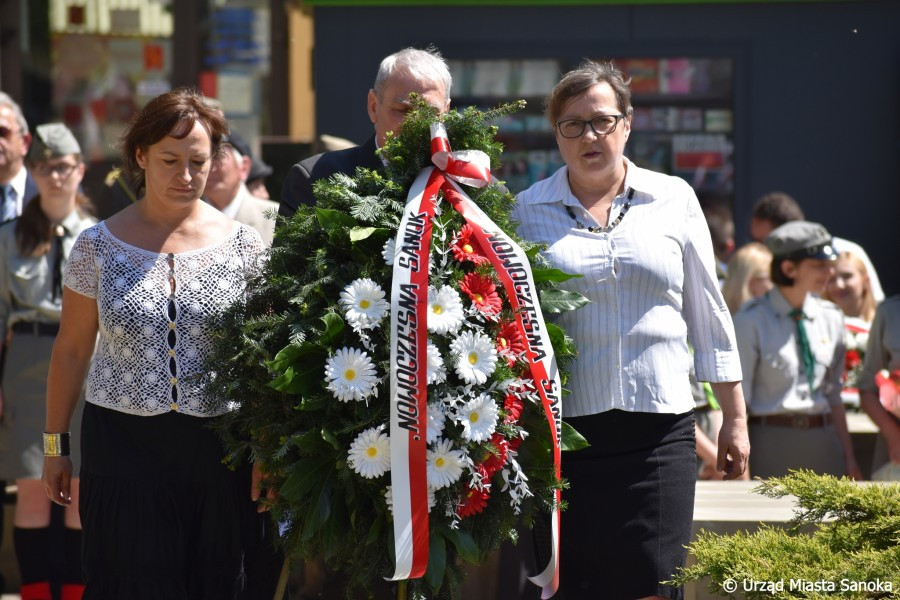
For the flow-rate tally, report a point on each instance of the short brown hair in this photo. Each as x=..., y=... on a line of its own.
x=588, y=74
x=777, y=208
x=171, y=114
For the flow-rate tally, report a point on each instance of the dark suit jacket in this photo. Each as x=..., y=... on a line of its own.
x=297, y=187
x=31, y=190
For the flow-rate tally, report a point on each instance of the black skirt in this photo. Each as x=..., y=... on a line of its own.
x=630, y=505
x=162, y=516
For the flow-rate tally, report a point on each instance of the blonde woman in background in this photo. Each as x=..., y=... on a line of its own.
x=748, y=275
x=851, y=289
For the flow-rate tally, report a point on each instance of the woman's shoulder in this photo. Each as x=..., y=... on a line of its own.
x=545, y=190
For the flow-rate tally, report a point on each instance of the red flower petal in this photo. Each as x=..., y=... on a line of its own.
x=473, y=502
x=465, y=247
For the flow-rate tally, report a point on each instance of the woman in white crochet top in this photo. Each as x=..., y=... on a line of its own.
x=162, y=516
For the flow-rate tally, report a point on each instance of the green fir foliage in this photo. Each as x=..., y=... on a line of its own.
x=842, y=534
x=270, y=354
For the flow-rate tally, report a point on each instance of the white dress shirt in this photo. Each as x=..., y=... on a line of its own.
x=652, y=285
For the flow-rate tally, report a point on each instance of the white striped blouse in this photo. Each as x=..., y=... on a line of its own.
x=652, y=285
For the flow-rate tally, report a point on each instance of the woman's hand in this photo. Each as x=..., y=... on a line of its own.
x=734, y=447
x=256, y=480
x=853, y=470
x=57, y=478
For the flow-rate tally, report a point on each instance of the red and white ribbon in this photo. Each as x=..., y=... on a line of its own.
x=409, y=310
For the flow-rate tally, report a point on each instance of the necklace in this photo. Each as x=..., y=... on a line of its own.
x=611, y=225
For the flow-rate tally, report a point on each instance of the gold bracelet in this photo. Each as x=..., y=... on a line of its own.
x=56, y=444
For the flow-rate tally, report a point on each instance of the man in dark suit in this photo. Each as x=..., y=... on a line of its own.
x=16, y=185
x=400, y=74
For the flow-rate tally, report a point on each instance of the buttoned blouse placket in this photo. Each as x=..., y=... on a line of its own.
x=172, y=332
x=600, y=245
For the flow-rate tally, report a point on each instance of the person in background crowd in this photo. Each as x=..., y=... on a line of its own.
x=792, y=355
x=163, y=516
x=34, y=250
x=17, y=187
x=777, y=208
x=883, y=353
x=408, y=71
x=642, y=243
x=748, y=275
x=851, y=289
x=721, y=230
x=256, y=178
x=225, y=188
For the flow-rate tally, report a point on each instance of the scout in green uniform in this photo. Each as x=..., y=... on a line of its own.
x=34, y=251
x=792, y=356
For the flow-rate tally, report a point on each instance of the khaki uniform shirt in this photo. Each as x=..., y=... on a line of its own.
x=26, y=282
x=774, y=379
x=883, y=348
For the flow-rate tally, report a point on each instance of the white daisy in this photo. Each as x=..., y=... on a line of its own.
x=445, y=310
x=478, y=418
x=370, y=453
x=364, y=304
x=436, y=418
x=444, y=465
x=350, y=374
x=389, y=252
x=389, y=498
x=436, y=371
x=476, y=357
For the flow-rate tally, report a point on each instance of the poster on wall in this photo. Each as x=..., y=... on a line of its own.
x=100, y=82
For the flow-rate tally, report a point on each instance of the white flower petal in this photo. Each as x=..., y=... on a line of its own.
x=443, y=464
x=445, y=310
x=476, y=357
x=436, y=371
x=370, y=453
x=363, y=303
x=479, y=418
x=436, y=419
x=350, y=375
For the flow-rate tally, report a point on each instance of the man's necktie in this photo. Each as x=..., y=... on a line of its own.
x=806, y=354
x=8, y=210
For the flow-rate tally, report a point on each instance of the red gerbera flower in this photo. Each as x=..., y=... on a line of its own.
x=514, y=444
x=473, y=502
x=512, y=406
x=465, y=247
x=483, y=293
x=495, y=461
x=509, y=342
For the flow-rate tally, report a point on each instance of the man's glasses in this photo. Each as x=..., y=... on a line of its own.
x=600, y=125
x=61, y=170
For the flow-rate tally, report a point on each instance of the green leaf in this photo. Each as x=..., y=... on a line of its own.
x=303, y=476
x=331, y=439
x=554, y=275
x=334, y=325
x=319, y=514
x=361, y=233
x=332, y=220
x=532, y=252
x=336, y=529
x=571, y=439
x=375, y=531
x=559, y=301
x=437, y=562
x=302, y=367
x=464, y=543
x=314, y=403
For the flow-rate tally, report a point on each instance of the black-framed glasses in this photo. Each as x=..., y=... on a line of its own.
x=62, y=170
x=600, y=125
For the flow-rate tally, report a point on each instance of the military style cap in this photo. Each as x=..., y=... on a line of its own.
x=52, y=140
x=796, y=240
x=257, y=167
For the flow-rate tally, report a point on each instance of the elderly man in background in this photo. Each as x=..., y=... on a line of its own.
x=16, y=185
x=226, y=190
x=410, y=70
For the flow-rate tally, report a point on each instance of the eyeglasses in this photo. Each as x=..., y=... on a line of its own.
x=61, y=170
x=600, y=125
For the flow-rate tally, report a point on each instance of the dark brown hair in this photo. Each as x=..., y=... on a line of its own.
x=777, y=208
x=171, y=114
x=588, y=74
x=34, y=231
